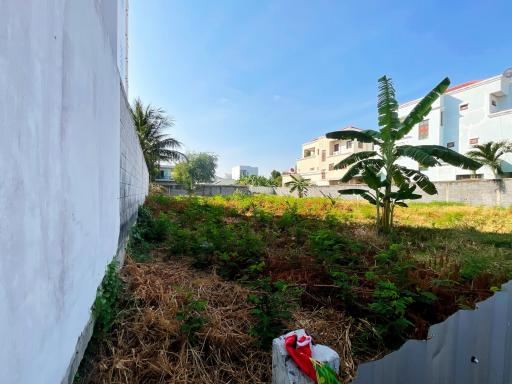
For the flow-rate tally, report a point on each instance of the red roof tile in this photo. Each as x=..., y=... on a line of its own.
x=463, y=85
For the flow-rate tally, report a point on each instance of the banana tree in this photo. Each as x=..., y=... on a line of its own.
x=380, y=168
x=299, y=184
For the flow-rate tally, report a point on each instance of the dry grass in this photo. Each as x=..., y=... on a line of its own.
x=146, y=345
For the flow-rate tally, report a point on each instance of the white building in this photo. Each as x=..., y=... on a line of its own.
x=240, y=171
x=472, y=113
x=164, y=171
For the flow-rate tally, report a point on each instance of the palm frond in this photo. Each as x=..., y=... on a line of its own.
x=150, y=124
x=371, y=178
x=368, y=136
x=398, y=178
x=450, y=156
x=375, y=164
x=417, y=154
x=361, y=192
x=420, y=179
x=490, y=153
x=405, y=193
x=358, y=156
x=387, y=107
x=422, y=108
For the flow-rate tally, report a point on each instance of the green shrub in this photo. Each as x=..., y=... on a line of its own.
x=242, y=254
x=473, y=266
x=389, y=306
x=106, y=304
x=332, y=248
x=290, y=216
x=388, y=255
x=347, y=284
x=191, y=319
x=272, y=307
x=147, y=232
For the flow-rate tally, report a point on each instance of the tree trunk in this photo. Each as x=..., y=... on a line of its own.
x=387, y=217
x=377, y=201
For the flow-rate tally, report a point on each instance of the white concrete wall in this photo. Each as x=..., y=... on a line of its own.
x=472, y=192
x=60, y=189
x=478, y=121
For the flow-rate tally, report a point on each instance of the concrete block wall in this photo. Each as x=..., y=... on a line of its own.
x=473, y=192
x=134, y=177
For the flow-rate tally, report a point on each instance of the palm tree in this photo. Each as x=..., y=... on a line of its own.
x=380, y=169
x=157, y=146
x=299, y=184
x=489, y=154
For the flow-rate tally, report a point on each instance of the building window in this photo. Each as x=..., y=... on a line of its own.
x=493, y=102
x=423, y=130
x=309, y=152
x=450, y=144
x=349, y=144
x=359, y=144
x=312, y=169
x=336, y=147
x=323, y=154
x=468, y=177
x=331, y=167
x=441, y=118
x=473, y=141
x=463, y=107
x=323, y=174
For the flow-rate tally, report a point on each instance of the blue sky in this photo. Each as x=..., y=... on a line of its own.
x=251, y=80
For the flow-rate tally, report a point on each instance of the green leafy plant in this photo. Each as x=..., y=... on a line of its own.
x=331, y=199
x=191, y=319
x=273, y=304
x=490, y=154
x=390, y=304
x=276, y=177
x=299, y=184
x=348, y=284
x=197, y=168
x=380, y=168
x=290, y=216
x=242, y=255
x=333, y=248
x=106, y=304
x=473, y=266
x=257, y=181
x=147, y=232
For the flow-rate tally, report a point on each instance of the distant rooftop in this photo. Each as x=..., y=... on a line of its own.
x=347, y=128
x=463, y=85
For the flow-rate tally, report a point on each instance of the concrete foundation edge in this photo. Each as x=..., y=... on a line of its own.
x=85, y=336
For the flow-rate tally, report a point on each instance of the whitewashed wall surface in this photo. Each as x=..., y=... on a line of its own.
x=60, y=151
